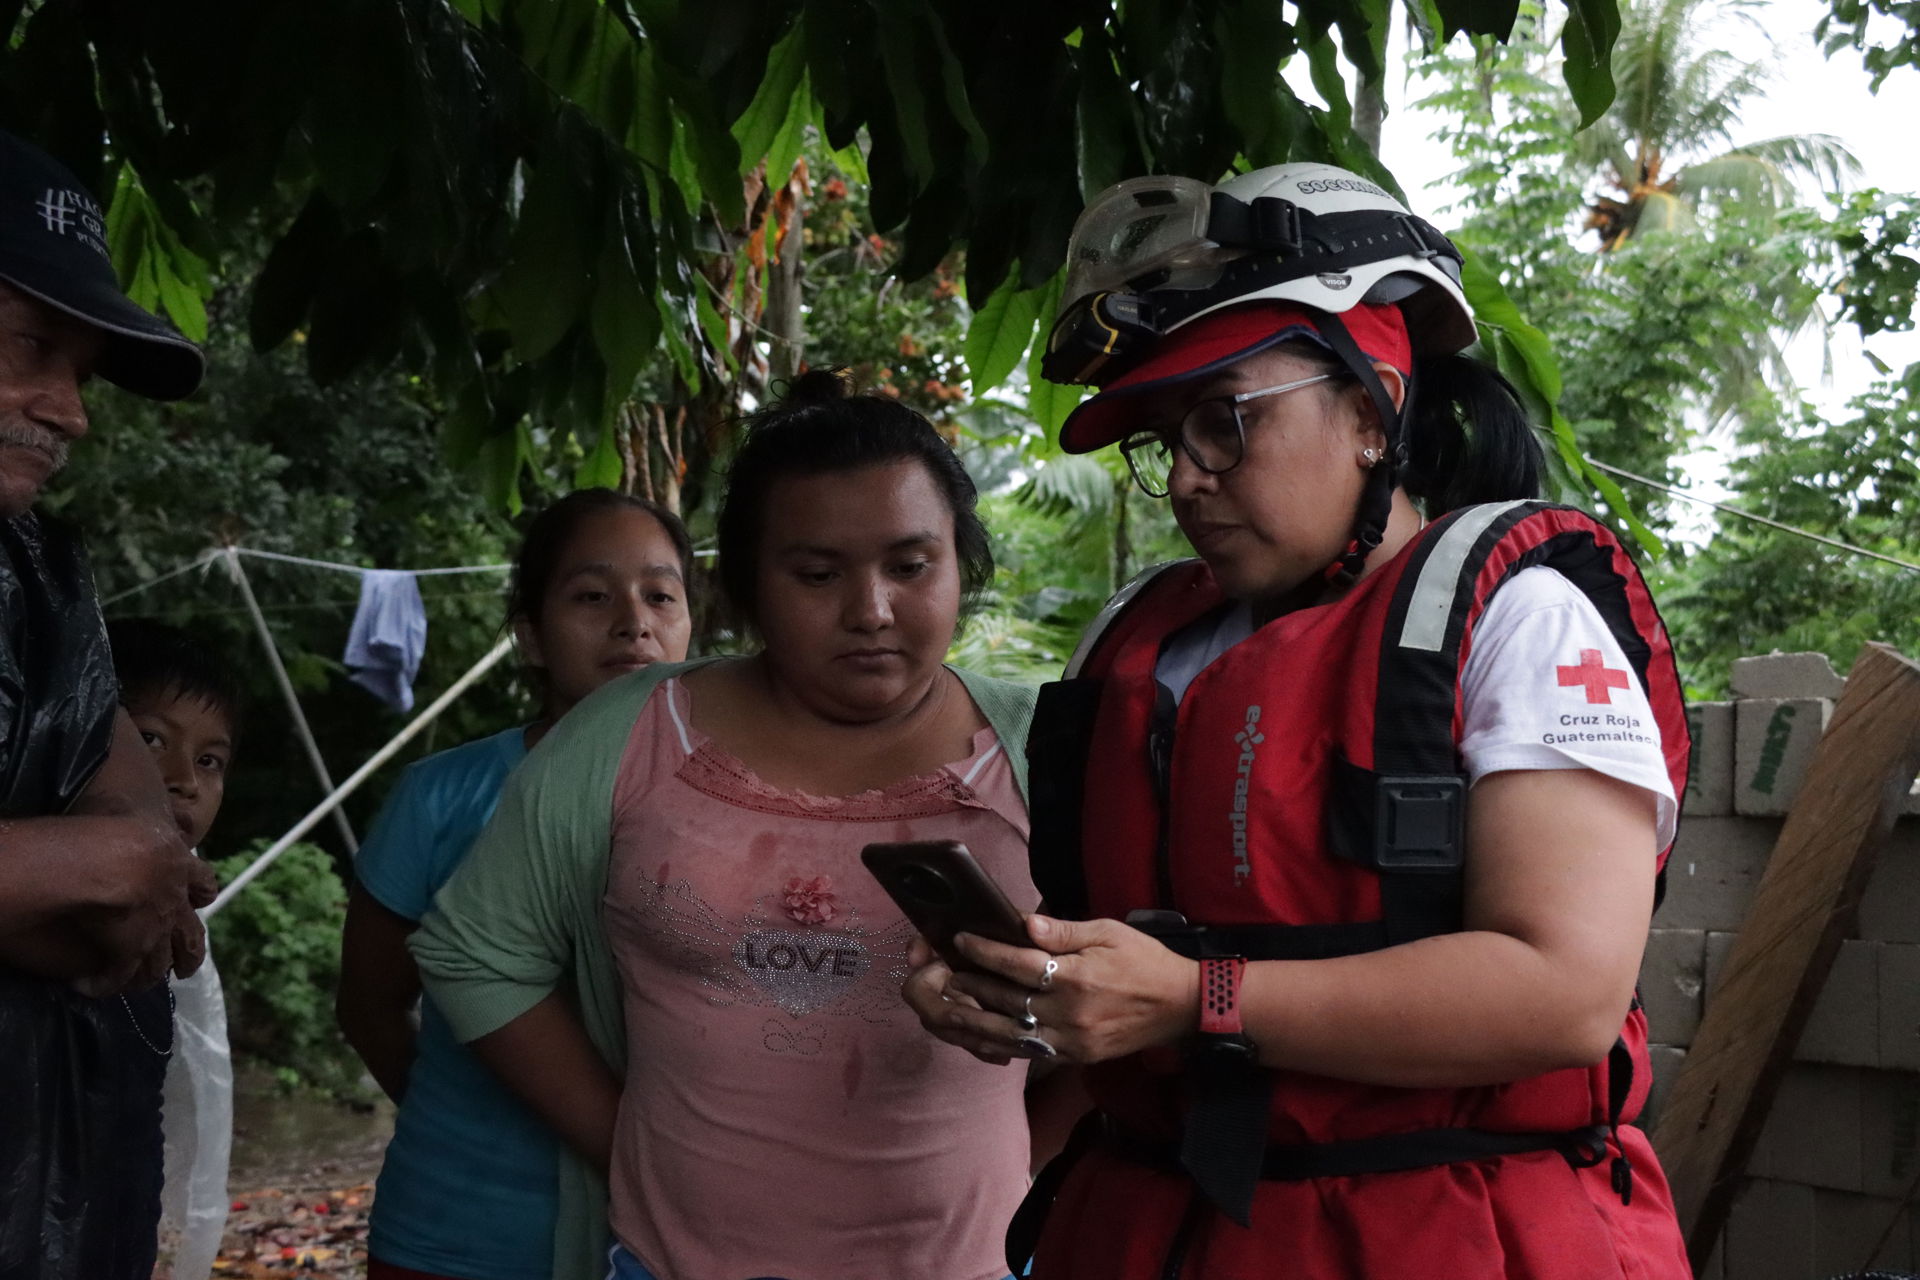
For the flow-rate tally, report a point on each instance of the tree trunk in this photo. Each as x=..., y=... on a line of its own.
x=784, y=322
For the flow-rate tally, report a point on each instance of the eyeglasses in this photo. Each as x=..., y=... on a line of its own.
x=1212, y=433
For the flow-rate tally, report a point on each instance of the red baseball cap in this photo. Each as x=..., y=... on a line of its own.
x=1213, y=342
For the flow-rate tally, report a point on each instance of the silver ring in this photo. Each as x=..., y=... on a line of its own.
x=1028, y=1023
x=1046, y=974
x=1030, y=1046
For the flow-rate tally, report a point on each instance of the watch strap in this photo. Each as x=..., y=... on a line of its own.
x=1220, y=978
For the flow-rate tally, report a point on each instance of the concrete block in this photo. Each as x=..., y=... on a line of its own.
x=1844, y=1028
x=1719, y=946
x=1710, y=775
x=1890, y=909
x=1770, y=1232
x=1773, y=741
x=1889, y=1132
x=1673, y=972
x=1847, y=1228
x=1786, y=675
x=1665, y=1060
x=1715, y=866
x=1899, y=1005
x=1812, y=1130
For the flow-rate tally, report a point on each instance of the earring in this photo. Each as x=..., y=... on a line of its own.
x=1372, y=456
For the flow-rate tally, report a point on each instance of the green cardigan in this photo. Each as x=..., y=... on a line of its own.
x=520, y=918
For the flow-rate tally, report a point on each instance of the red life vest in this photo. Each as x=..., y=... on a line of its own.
x=1305, y=799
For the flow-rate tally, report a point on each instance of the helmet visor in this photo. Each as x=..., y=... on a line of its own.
x=1135, y=228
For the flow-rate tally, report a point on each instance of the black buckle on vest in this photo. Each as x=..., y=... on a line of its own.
x=1419, y=823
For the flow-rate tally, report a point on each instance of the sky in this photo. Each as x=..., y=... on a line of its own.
x=1810, y=94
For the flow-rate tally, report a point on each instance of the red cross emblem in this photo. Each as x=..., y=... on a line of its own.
x=1595, y=675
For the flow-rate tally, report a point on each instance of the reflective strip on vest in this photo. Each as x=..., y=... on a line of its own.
x=1431, y=606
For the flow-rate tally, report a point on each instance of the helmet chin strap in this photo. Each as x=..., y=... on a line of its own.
x=1376, y=498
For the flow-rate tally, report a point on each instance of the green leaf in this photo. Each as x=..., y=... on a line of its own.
x=468, y=424
x=714, y=326
x=1493, y=308
x=651, y=135
x=601, y=468
x=1255, y=37
x=784, y=151
x=623, y=319
x=546, y=284
x=499, y=463
x=1479, y=17
x=899, y=43
x=1329, y=78
x=184, y=306
x=283, y=291
x=1523, y=353
x=1000, y=332
x=1587, y=45
x=708, y=143
x=674, y=327
x=1050, y=402
x=773, y=105
x=350, y=123
x=959, y=106
x=1363, y=35
x=1106, y=135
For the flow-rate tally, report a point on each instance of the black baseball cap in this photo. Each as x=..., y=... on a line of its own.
x=53, y=246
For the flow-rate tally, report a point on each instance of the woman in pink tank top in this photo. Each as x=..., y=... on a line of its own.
x=780, y=1113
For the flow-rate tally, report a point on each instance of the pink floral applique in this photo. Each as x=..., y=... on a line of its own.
x=810, y=901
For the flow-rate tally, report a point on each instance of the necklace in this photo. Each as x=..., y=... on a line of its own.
x=141, y=1031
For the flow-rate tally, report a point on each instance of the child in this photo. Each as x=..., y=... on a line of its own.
x=186, y=705
x=468, y=1191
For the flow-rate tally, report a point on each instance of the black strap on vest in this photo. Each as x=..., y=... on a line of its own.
x=1388, y=1153
x=1059, y=744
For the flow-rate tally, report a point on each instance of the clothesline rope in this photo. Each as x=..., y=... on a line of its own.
x=200, y=562
x=1757, y=519
x=358, y=569
x=208, y=556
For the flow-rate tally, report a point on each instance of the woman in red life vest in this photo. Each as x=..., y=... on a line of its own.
x=1349, y=830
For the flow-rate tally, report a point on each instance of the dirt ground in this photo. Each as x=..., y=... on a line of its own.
x=301, y=1185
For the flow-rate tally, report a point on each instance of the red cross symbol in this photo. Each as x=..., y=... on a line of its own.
x=1597, y=677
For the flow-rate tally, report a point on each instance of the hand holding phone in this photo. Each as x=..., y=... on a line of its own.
x=943, y=891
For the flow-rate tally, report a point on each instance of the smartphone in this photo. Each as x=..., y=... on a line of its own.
x=943, y=891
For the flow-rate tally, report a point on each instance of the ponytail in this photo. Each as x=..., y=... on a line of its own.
x=1468, y=438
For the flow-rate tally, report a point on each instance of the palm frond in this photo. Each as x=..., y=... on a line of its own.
x=1819, y=156
x=1738, y=175
x=1662, y=211
x=1076, y=485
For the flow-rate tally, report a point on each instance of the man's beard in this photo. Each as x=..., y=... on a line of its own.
x=28, y=436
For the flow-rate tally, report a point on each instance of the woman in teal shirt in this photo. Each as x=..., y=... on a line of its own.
x=468, y=1190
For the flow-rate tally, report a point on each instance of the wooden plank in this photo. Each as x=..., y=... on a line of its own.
x=1855, y=787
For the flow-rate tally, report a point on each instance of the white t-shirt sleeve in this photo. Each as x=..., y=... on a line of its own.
x=1546, y=686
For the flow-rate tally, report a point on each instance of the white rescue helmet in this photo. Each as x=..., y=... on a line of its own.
x=1150, y=255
